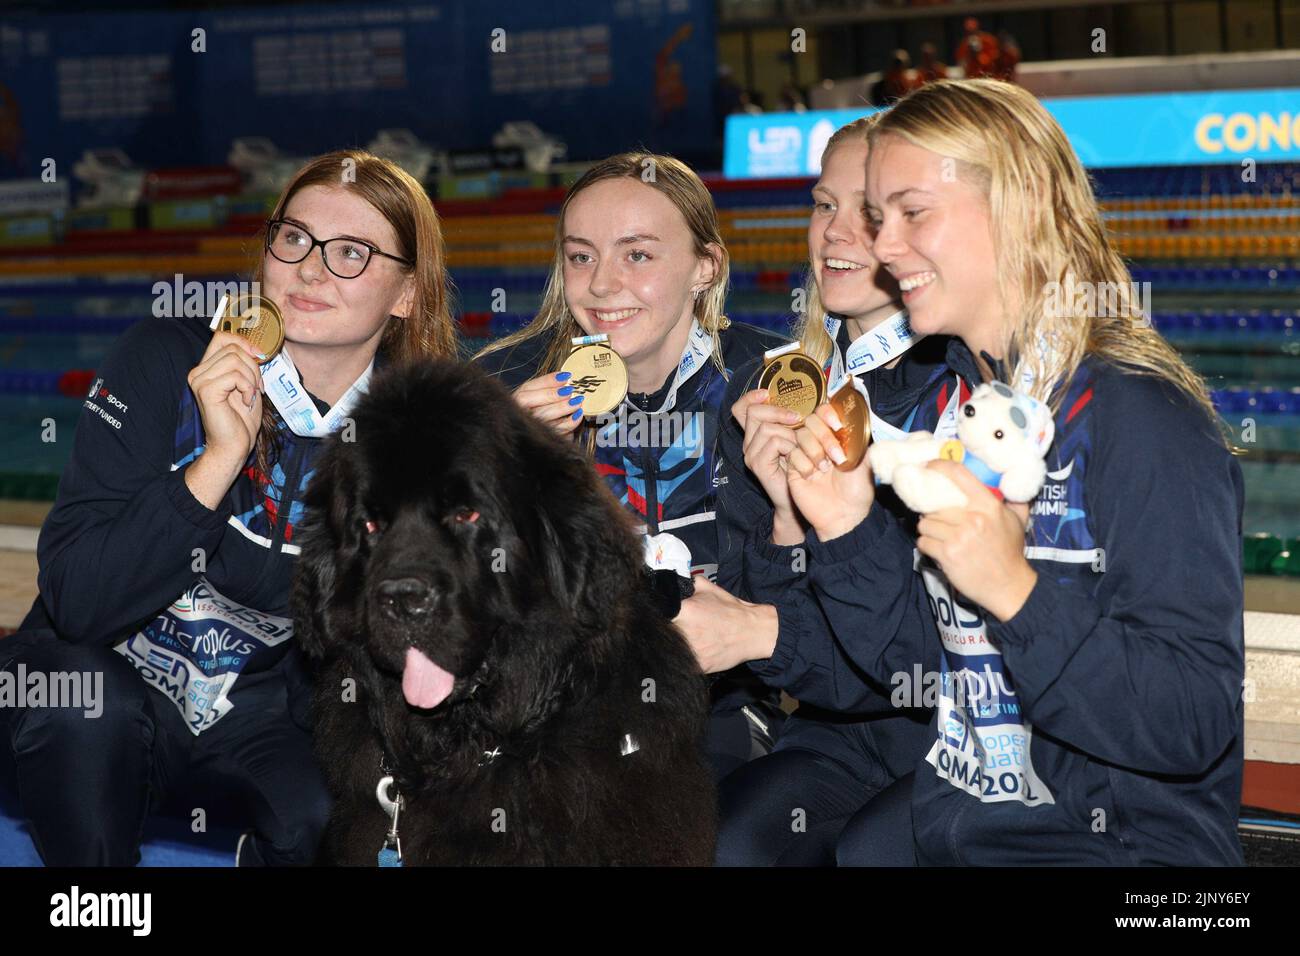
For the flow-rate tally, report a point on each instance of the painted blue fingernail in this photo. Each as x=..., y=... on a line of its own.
x=577, y=414
x=563, y=376
x=577, y=399
x=567, y=390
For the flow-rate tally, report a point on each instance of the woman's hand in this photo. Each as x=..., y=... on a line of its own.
x=769, y=438
x=227, y=387
x=548, y=399
x=723, y=630
x=834, y=502
x=980, y=548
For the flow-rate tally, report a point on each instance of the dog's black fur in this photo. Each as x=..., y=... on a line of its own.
x=539, y=609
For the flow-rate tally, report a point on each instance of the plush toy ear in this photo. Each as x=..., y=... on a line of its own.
x=1032, y=417
x=1038, y=425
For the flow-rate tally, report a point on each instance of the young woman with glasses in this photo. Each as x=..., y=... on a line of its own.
x=165, y=563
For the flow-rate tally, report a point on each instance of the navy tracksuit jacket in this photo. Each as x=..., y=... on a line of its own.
x=1103, y=724
x=805, y=662
x=122, y=540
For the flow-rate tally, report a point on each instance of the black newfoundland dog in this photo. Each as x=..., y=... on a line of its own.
x=473, y=599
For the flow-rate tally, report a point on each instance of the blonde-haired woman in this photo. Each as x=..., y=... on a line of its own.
x=639, y=257
x=1089, y=685
x=165, y=563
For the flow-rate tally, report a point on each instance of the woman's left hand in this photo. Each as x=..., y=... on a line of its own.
x=980, y=548
x=723, y=630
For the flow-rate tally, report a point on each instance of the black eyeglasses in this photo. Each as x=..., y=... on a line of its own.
x=346, y=258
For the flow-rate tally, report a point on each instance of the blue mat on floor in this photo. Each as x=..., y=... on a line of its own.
x=168, y=838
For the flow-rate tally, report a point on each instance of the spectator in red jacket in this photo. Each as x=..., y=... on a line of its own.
x=1008, y=56
x=895, y=83
x=978, y=52
x=930, y=68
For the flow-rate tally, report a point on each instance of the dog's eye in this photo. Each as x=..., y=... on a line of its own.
x=465, y=516
x=998, y=434
x=370, y=526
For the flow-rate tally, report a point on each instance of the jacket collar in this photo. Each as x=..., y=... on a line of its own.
x=962, y=361
x=382, y=360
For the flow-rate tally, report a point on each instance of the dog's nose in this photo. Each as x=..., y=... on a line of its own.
x=405, y=597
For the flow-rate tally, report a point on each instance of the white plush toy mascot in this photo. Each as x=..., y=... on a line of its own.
x=1002, y=436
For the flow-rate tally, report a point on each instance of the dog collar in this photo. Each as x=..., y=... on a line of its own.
x=391, y=802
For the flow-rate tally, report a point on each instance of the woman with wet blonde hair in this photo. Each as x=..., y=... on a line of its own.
x=639, y=258
x=1088, y=691
x=653, y=335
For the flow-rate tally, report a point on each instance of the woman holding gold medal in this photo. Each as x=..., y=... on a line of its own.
x=165, y=563
x=847, y=740
x=630, y=354
x=1088, y=688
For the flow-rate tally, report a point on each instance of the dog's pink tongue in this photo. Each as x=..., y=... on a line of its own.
x=424, y=683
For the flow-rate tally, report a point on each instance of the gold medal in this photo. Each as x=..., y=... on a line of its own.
x=257, y=319
x=597, y=373
x=952, y=450
x=854, y=437
x=793, y=381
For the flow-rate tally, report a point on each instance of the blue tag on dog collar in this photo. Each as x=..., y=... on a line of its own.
x=389, y=857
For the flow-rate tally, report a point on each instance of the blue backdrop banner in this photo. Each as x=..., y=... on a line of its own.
x=1160, y=129
x=174, y=88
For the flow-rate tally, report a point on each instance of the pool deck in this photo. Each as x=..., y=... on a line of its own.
x=17, y=586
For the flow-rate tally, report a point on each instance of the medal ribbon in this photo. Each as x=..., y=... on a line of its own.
x=699, y=346
x=284, y=387
x=874, y=348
